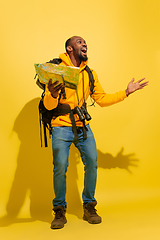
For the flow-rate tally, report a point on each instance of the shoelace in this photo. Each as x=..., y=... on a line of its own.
x=59, y=214
x=92, y=210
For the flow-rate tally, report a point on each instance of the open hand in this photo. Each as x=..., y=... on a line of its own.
x=54, y=89
x=134, y=86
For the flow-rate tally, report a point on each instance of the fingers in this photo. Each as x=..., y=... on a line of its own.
x=54, y=88
x=141, y=85
x=140, y=80
x=132, y=80
x=144, y=84
x=58, y=87
x=50, y=84
x=53, y=85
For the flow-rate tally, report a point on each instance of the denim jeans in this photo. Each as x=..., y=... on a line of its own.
x=62, y=138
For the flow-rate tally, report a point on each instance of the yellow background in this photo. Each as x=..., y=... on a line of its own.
x=123, y=40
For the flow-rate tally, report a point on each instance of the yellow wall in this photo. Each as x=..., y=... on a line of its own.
x=124, y=42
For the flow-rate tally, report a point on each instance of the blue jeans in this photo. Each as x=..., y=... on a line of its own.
x=62, y=138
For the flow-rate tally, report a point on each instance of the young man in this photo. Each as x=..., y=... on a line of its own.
x=63, y=136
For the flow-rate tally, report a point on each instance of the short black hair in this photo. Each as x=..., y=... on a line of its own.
x=67, y=43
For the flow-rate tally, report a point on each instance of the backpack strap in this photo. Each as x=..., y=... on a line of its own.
x=91, y=84
x=91, y=79
x=55, y=61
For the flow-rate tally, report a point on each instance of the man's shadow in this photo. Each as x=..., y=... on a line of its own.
x=34, y=172
x=34, y=169
x=122, y=161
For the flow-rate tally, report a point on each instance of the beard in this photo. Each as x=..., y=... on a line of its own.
x=83, y=58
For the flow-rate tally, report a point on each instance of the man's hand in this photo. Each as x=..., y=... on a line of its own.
x=134, y=86
x=54, y=90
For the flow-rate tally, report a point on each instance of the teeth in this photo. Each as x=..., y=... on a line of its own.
x=84, y=50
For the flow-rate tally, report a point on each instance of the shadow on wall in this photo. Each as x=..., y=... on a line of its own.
x=34, y=169
x=34, y=172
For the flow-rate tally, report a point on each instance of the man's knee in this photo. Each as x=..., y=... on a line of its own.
x=91, y=162
x=60, y=163
x=60, y=167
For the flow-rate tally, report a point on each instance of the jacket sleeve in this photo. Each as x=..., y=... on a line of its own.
x=48, y=101
x=103, y=99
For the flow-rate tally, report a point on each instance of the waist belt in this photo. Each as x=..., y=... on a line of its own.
x=63, y=109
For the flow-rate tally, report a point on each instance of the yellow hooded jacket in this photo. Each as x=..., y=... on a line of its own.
x=99, y=96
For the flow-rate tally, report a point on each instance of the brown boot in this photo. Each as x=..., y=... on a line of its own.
x=60, y=218
x=90, y=214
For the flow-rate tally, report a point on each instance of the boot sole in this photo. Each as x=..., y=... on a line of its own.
x=91, y=222
x=59, y=226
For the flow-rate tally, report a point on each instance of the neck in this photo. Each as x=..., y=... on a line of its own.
x=75, y=60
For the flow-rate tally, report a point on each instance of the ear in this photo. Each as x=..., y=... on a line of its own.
x=69, y=49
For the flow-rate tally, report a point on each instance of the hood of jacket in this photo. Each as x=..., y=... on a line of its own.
x=67, y=61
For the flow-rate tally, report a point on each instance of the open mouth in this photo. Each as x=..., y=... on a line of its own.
x=84, y=50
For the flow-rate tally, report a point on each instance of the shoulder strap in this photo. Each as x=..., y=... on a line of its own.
x=55, y=61
x=91, y=84
x=91, y=79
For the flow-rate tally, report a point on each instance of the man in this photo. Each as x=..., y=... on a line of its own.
x=63, y=136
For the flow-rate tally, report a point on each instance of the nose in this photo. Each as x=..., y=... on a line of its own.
x=84, y=44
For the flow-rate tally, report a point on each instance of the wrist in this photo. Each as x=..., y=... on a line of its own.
x=127, y=92
x=53, y=96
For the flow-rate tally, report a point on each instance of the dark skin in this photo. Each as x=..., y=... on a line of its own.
x=74, y=50
x=54, y=89
x=77, y=51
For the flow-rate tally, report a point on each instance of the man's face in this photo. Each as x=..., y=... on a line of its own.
x=79, y=47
